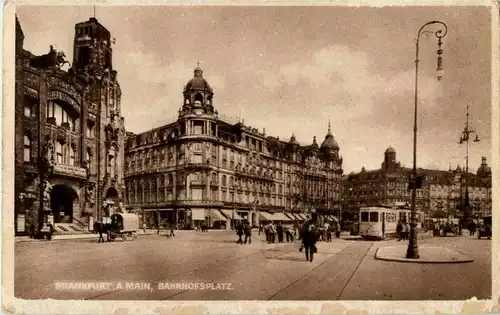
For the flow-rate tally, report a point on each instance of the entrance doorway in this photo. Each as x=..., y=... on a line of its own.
x=62, y=200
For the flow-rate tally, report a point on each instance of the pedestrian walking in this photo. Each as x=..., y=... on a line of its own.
x=272, y=232
x=32, y=230
x=261, y=227
x=309, y=238
x=279, y=231
x=239, y=232
x=399, y=230
x=172, y=234
x=144, y=227
x=288, y=233
x=248, y=233
x=337, y=232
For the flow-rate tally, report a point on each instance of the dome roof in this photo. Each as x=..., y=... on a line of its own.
x=329, y=142
x=198, y=82
x=484, y=169
x=293, y=140
x=390, y=150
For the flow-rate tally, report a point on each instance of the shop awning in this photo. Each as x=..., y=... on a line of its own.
x=266, y=216
x=198, y=214
x=279, y=216
x=291, y=216
x=229, y=214
x=300, y=216
x=216, y=215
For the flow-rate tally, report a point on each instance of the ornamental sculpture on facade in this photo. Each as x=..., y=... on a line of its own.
x=51, y=60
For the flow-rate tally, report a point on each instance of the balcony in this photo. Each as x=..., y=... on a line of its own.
x=70, y=171
x=199, y=166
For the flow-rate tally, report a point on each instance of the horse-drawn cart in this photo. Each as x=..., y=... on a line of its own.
x=124, y=225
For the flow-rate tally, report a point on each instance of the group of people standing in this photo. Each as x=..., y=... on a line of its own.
x=279, y=231
x=244, y=229
x=402, y=230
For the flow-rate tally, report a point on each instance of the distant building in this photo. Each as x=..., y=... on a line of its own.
x=442, y=193
x=69, y=133
x=203, y=168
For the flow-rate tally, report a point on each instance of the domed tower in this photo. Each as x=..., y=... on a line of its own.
x=197, y=115
x=484, y=170
x=389, y=158
x=198, y=95
x=330, y=147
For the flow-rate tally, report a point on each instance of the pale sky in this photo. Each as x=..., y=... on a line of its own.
x=291, y=69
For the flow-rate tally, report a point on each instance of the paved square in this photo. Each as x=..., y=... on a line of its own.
x=342, y=270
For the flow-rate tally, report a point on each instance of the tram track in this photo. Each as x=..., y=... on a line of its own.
x=310, y=271
x=209, y=266
x=354, y=271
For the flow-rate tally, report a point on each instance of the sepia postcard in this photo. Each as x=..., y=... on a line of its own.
x=250, y=157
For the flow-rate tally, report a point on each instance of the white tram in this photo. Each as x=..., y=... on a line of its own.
x=380, y=222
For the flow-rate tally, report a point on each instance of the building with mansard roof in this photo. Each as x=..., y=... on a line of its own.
x=442, y=193
x=69, y=133
x=203, y=168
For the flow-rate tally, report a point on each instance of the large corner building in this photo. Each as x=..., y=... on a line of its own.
x=202, y=168
x=69, y=133
x=442, y=194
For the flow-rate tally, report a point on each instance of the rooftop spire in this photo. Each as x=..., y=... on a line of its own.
x=329, y=126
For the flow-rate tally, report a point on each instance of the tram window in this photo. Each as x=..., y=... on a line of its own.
x=373, y=216
x=364, y=216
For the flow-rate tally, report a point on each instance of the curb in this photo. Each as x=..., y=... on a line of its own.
x=417, y=261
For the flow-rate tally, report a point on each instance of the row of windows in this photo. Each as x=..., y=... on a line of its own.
x=63, y=153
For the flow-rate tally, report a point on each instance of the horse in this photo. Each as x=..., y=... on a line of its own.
x=103, y=228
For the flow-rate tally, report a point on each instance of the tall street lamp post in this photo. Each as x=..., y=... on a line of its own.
x=412, y=251
x=466, y=133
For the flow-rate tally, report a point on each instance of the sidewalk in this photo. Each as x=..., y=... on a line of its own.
x=58, y=237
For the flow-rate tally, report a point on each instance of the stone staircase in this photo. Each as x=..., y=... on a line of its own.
x=77, y=227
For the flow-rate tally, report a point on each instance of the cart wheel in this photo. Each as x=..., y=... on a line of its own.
x=134, y=235
x=124, y=237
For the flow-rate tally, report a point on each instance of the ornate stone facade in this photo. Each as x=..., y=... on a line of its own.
x=183, y=170
x=442, y=193
x=69, y=132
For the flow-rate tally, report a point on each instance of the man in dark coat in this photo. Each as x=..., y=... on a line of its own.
x=239, y=232
x=248, y=233
x=309, y=238
x=279, y=231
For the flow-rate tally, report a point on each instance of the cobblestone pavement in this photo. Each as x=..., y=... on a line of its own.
x=343, y=269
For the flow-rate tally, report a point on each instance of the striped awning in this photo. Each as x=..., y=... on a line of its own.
x=301, y=216
x=216, y=215
x=291, y=216
x=279, y=216
x=229, y=214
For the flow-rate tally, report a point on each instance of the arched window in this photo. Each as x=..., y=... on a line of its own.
x=27, y=149
x=60, y=115
x=224, y=180
x=198, y=98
